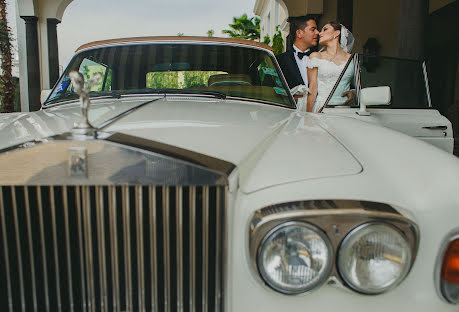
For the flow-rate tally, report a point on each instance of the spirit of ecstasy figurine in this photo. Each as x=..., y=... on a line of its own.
x=83, y=127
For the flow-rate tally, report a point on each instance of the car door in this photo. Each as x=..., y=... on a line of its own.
x=409, y=109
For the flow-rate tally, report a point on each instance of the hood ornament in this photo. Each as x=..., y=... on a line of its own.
x=83, y=128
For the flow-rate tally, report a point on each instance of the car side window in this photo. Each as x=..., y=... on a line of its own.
x=404, y=77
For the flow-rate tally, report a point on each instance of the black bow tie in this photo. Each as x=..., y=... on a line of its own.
x=302, y=54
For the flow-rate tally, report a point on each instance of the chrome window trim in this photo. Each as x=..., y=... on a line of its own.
x=354, y=57
x=172, y=41
x=426, y=82
x=452, y=235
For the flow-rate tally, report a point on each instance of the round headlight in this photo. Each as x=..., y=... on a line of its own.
x=373, y=258
x=295, y=257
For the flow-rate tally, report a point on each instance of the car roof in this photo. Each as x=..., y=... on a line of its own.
x=112, y=42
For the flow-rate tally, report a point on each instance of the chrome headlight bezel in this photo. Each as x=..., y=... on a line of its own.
x=359, y=231
x=324, y=273
x=336, y=219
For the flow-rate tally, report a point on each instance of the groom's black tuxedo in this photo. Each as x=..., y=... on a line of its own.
x=290, y=69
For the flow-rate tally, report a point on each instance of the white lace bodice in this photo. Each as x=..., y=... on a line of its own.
x=327, y=74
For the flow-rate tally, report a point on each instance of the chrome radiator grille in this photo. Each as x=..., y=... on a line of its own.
x=112, y=248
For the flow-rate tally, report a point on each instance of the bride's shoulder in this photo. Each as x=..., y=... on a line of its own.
x=315, y=55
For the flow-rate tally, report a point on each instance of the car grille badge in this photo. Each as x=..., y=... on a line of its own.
x=78, y=164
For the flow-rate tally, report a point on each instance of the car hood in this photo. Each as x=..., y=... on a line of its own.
x=270, y=145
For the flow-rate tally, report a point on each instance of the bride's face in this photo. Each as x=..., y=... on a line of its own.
x=328, y=34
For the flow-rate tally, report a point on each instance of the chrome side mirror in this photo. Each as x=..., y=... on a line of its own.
x=372, y=97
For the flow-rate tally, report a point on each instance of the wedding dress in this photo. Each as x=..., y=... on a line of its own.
x=327, y=74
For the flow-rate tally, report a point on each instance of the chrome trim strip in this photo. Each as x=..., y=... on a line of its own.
x=86, y=208
x=167, y=269
x=179, y=245
x=5, y=244
x=114, y=248
x=80, y=245
x=174, y=41
x=140, y=251
x=127, y=247
x=224, y=242
x=32, y=257
x=56, y=251
x=426, y=83
x=18, y=246
x=67, y=244
x=358, y=84
x=192, y=195
x=205, y=246
x=153, y=255
x=43, y=246
x=218, y=233
x=101, y=248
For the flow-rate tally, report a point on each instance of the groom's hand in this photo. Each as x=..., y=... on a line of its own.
x=351, y=95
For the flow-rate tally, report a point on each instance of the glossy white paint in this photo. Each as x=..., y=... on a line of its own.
x=418, y=179
x=408, y=121
x=283, y=155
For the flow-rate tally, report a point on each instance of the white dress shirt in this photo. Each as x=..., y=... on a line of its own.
x=302, y=64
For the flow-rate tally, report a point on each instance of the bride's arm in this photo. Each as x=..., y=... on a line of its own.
x=312, y=81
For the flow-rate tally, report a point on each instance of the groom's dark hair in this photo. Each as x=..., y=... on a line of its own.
x=299, y=22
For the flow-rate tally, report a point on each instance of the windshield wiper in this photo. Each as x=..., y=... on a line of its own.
x=73, y=96
x=104, y=93
x=218, y=95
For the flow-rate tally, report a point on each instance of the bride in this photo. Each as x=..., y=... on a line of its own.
x=324, y=67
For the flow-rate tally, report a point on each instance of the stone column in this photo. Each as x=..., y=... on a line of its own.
x=33, y=62
x=411, y=29
x=53, y=53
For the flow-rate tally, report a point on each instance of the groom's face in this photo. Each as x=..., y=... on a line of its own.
x=309, y=35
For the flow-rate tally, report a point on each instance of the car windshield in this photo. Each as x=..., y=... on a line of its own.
x=208, y=69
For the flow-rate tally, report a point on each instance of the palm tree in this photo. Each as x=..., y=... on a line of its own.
x=244, y=28
x=6, y=79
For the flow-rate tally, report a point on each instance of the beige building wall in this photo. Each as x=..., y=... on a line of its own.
x=377, y=19
x=272, y=13
x=330, y=12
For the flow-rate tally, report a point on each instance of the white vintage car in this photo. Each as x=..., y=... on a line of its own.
x=176, y=174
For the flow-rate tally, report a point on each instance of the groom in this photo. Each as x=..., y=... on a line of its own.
x=293, y=63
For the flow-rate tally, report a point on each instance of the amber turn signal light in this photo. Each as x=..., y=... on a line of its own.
x=449, y=272
x=450, y=266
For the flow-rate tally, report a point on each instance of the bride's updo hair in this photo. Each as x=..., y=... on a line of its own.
x=336, y=26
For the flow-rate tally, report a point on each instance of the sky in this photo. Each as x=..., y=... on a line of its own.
x=89, y=20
